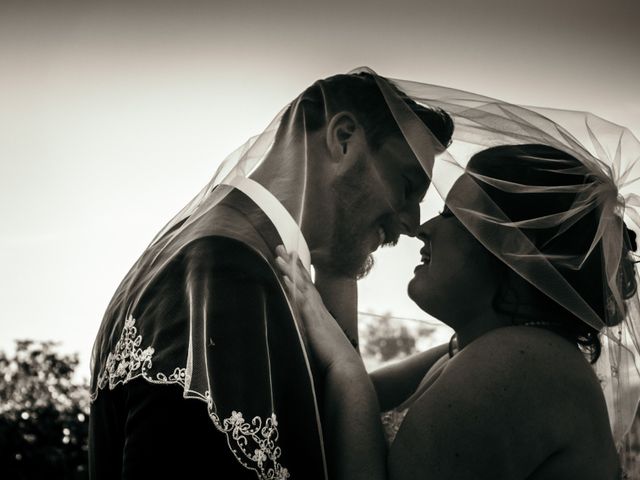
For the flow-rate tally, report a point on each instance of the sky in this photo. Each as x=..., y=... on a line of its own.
x=114, y=114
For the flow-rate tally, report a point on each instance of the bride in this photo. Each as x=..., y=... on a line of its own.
x=514, y=394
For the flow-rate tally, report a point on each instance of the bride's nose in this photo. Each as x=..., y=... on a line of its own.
x=423, y=231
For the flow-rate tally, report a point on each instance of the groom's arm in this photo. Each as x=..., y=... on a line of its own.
x=394, y=383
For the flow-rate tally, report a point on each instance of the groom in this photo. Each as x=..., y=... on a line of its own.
x=214, y=323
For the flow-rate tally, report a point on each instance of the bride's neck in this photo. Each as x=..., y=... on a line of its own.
x=468, y=330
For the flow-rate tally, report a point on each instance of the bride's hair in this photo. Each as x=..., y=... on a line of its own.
x=541, y=166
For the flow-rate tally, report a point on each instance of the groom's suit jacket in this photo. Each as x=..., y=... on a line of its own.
x=256, y=365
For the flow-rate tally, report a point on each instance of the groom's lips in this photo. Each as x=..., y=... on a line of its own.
x=390, y=235
x=384, y=236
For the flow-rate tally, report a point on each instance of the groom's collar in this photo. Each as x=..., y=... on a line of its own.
x=281, y=219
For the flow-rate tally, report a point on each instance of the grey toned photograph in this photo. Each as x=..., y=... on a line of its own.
x=319, y=240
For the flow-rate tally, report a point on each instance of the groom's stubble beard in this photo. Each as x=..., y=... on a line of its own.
x=349, y=250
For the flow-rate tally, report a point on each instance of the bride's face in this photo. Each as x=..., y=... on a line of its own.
x=457, y=278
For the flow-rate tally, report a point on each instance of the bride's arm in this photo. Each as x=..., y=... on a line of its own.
x=354, y=438
x=489, y=415
x=394, y=383
x=355, y=443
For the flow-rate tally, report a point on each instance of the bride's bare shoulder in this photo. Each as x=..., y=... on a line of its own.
x=532, y=365
x=516, y=396
x=524, y=347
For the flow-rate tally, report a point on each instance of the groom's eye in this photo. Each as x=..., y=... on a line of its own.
x=408, y=187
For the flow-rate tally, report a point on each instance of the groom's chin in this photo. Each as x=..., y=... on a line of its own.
x=346, y=259
x=348, y=267
x=366, y=267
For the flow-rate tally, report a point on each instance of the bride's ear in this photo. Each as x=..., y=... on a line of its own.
x=343, y=134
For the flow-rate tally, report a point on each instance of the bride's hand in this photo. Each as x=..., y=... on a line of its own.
x=329, y=343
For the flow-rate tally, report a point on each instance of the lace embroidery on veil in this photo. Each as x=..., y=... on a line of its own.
x=254, y=443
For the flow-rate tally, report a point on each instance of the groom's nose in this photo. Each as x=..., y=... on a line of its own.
x=410, y=220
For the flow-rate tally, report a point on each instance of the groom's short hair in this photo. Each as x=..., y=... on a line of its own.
x=360, y=94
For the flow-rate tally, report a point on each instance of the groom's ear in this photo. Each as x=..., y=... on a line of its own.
x=343, y=134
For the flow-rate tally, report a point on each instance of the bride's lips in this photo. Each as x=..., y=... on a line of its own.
x=425, y=254
x=425, y=257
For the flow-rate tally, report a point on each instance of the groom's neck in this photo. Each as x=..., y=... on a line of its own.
x=340, y=296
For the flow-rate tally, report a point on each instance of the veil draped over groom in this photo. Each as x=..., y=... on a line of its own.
x=242, y=359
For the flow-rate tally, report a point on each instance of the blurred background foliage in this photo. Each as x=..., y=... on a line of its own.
x=384, y=338
x=44, y=414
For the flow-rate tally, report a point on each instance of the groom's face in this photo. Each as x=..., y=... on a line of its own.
x=378, y=200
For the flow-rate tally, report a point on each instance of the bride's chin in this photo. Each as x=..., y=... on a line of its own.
x=420, y=293
x=412, y=289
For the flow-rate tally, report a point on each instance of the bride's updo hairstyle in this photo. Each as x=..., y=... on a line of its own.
x=537, y=166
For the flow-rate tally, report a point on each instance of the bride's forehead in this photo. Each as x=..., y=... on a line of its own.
x=464, y=190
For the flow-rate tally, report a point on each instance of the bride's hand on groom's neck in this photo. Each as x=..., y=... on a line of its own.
x=327, y=340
